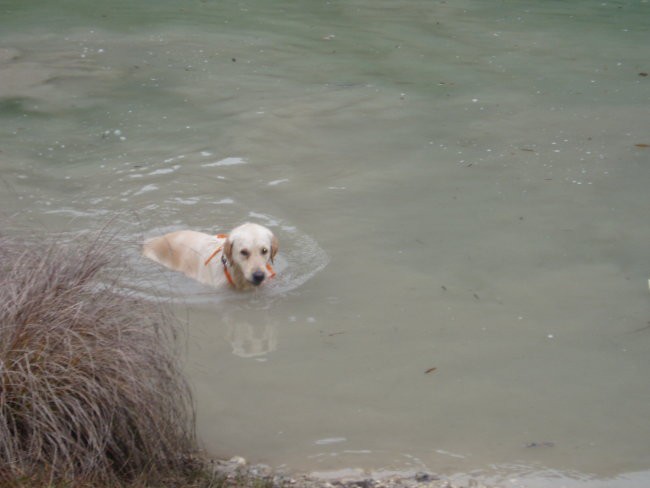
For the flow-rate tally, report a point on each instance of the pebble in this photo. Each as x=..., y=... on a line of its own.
x=421, y=477
x=261, y=471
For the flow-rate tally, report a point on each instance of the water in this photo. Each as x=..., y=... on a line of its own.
x=455, y=185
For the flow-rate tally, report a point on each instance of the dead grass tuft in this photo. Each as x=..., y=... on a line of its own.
x=90, y=389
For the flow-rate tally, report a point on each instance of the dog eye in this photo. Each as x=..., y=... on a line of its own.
x=245, y=253
x=264, y=250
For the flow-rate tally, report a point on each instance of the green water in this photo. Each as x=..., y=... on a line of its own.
x=455, y=185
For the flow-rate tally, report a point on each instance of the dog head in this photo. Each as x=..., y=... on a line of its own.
x=249, y=248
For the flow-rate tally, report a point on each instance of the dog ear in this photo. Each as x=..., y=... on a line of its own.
x=227, y=250
x=274, y=247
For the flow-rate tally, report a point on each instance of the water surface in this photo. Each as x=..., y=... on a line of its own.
x=455, y=185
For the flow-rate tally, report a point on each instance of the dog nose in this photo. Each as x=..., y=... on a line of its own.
x=258, y=277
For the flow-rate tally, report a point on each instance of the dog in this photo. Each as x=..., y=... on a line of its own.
x=241, y=259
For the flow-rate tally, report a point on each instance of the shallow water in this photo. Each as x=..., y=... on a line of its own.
x=455, y=185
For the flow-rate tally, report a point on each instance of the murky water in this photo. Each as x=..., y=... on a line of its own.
x=455, y=185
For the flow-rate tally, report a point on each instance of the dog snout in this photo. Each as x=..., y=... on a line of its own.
x=258, y=277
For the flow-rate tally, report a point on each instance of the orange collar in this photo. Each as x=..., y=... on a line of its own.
x=218, y=236
x=225, y=262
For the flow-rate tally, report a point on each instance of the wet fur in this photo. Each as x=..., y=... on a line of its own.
x=248, y=250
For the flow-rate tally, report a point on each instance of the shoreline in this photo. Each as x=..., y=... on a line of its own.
x=237, y=472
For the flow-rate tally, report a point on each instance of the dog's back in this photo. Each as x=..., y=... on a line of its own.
x=184, y=251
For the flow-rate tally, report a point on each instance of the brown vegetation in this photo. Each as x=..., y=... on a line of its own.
x=90, y=389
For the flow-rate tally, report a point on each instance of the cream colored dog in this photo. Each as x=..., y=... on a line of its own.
x=241, y=259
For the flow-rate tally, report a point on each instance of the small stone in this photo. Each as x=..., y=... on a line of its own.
x=422, y=477
x=261, y=470
x=367, y=483
x=238, y=460
x=230, y=468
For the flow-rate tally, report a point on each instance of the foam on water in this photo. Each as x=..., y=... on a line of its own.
x=225, y=162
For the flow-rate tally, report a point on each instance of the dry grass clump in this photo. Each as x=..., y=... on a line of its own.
x=90, y=390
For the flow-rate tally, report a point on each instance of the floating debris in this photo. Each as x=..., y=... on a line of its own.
x=641, y=329
x=540, y=444
x=430, y=370
x=332, y=334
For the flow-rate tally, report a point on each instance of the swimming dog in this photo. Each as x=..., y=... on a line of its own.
x=241, y=259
